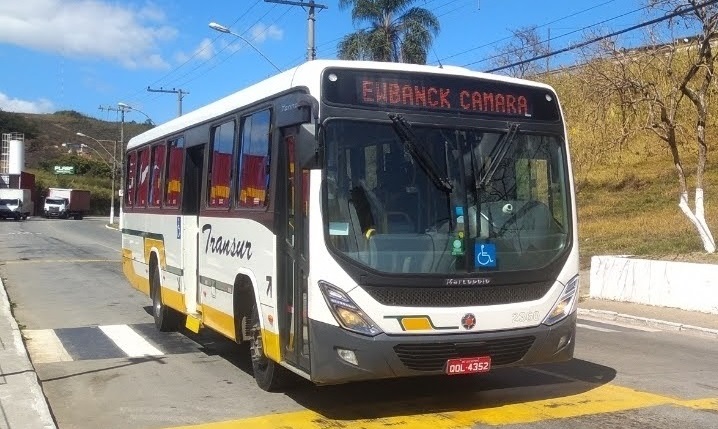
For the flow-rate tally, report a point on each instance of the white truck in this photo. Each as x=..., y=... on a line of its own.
x=15, y=204
x=65, y=203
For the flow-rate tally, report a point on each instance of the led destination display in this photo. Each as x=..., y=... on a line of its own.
x=412, y=91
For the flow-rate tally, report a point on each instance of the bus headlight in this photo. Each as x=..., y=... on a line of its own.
x=565, y=304
x=346, y=312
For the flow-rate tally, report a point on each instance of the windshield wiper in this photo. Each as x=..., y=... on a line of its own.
x=403, y=130
x=498, y=154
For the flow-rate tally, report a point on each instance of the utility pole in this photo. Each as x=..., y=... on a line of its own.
x=180, y=95
x=121, y=187
x=311, y=49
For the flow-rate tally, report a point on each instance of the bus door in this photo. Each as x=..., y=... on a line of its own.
x=293, y=250
x=191, y=199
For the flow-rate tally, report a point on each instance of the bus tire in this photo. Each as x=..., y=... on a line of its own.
x=269, y=375
x=166, y=319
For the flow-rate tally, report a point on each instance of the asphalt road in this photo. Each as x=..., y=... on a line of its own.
x=102, y=364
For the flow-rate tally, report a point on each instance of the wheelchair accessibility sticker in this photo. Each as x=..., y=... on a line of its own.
x=485, y=255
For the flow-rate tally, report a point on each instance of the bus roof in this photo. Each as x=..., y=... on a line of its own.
x=305, y=75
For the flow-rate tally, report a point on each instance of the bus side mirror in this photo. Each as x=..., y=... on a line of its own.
x=307, y=146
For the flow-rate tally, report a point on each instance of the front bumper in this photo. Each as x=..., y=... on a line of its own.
x=386, y=356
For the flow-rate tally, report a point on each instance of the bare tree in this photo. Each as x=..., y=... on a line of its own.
x=651, y=84
x=695, y=85
x=525, y=43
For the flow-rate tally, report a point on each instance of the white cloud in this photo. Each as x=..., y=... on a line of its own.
x=204, y=51
x=23, y=106
x=87, y=28
x=261, y=32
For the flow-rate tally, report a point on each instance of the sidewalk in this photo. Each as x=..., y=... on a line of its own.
x=22, y=402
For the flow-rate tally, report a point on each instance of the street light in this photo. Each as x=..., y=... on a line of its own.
x=114, y=170
x=223, y=29
x=128, y=107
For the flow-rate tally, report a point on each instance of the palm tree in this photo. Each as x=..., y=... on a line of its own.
x=397, y=32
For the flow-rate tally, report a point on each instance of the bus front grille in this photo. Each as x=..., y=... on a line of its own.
x=433, y=356
x=457, y=296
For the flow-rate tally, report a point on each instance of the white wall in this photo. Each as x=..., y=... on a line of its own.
x=682, y=285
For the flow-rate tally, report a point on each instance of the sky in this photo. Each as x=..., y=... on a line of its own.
x=89, y=55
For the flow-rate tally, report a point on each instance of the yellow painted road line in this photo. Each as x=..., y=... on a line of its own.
x=709, y=404
x=57, y=261
x=44, y=346
x=602, y=399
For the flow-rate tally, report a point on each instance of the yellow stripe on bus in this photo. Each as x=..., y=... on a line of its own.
x=138, y=282
x=173, y=299
x=270, y=342
x=150, y=243
x=219, y=321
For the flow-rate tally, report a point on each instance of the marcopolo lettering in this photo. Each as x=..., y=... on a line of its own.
x=233, y=247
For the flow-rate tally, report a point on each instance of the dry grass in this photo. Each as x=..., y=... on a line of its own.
x=632, y=208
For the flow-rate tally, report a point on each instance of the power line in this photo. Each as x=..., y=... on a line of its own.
x=228, y=56
x=598, y=39
x=483, y=60
x=203, y=63
x=197, y=52
x=540, y=26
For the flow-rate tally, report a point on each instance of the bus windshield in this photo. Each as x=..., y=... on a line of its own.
x=444, y=200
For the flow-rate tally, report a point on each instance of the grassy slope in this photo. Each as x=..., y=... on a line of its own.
x=631, y=207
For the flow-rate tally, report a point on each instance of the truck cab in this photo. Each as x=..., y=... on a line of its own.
x=56, y=207
x=13, y=208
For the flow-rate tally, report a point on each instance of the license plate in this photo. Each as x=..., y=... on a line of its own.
x=468, y=365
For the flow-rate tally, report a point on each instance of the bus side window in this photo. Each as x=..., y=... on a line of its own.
x=173, y=175
x=156, y=170
x=143, y=178
x=253, y=160
x=130, y=178
x=220, y=168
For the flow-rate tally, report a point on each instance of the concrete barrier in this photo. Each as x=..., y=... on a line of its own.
x=688, y=286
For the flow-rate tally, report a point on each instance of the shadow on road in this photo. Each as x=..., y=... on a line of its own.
x=437, y=394
x=422, y=395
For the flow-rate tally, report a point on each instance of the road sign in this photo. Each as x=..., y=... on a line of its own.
x=64, y=169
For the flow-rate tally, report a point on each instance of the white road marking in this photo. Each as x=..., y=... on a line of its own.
x=130, y=341
x=594, y=328
x=619, y=324
x=44, y=346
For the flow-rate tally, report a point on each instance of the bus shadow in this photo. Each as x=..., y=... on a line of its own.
x=422, y=395
x=214, y=344
x=438, y=394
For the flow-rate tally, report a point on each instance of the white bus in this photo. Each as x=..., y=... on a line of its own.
x=362, y=220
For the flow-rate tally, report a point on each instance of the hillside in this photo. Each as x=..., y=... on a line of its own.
x=45, y=133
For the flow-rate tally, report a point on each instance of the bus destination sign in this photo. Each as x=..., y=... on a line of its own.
x=438, y=93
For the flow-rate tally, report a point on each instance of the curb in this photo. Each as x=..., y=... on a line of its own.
x=40, y=404
x=652, y=323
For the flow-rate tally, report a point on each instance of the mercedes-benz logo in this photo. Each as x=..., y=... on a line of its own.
x=468, y=321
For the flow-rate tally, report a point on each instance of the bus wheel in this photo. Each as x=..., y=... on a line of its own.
x=270, y=376
x=165, y=318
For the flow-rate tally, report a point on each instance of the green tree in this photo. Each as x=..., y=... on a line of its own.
x=396, y=32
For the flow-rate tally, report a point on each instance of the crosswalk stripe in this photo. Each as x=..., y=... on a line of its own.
x=45, y=347
x=130, y=341
x=619, y=324
x=594, y=328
